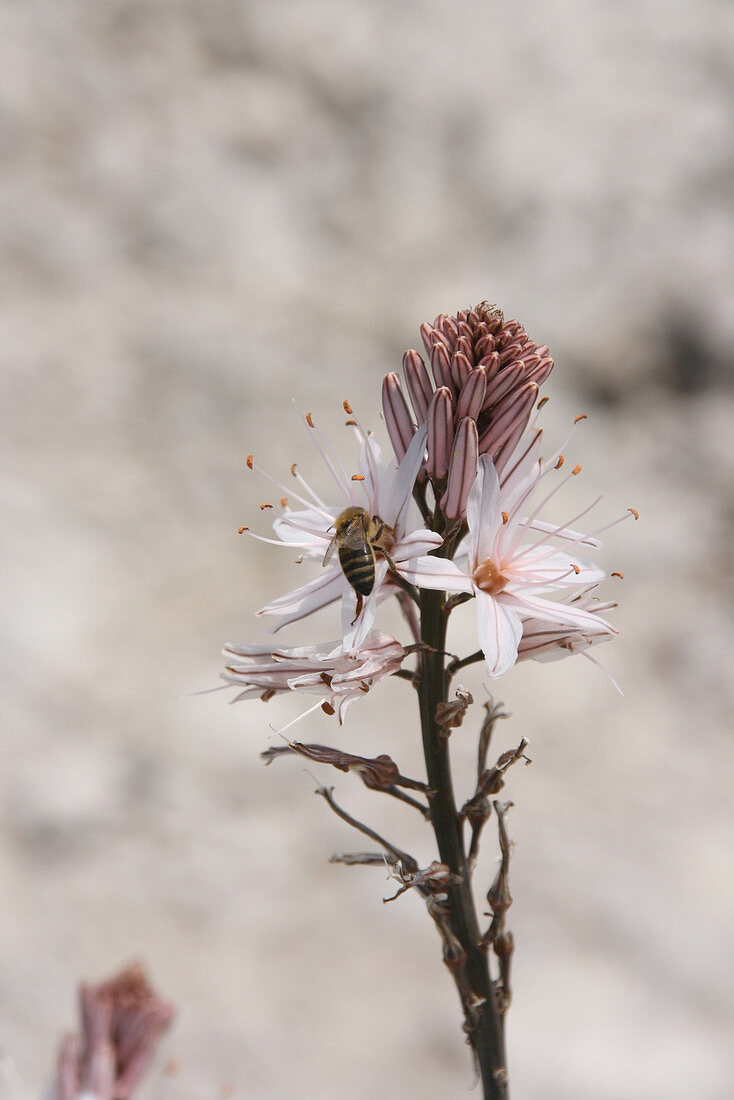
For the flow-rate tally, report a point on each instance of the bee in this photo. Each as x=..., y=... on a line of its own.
x=357, y=537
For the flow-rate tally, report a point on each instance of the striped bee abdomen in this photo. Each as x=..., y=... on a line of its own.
x=359, y=568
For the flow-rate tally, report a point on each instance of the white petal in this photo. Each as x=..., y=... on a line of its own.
x=356, y=632
x=304, y=528
x=308, y=598
x=438, y=573
x=550, y=568
x=549, y=611
x=416, y=543
x=500, y=630
x=401, y=489
x=483, y=512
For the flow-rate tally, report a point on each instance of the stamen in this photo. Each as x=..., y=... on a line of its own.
x=264, y=506
x=543, y=401
x=599, y=665
x=319, y=507
x=561, y=460
x=614, y=522
x=347, y=408
x=309, y=420
x=283, y=502
x=576, y=470
x=357, y=477
x=505, y=517
x=241, y=530
x=350, y=423
x=576, y=568
x=581, y=416
x=293, y=470
x=616, y=573
x=581, y=538
x=249, y=462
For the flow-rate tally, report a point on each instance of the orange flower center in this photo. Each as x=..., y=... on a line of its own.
x=489, y=577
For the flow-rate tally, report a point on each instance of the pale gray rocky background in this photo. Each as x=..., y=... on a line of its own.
x=205, y=210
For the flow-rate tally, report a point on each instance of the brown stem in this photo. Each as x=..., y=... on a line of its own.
x=483, y=1024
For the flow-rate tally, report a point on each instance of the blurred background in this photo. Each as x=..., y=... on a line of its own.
x=205, y=211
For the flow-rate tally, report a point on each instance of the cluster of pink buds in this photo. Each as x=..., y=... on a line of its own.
x=486, y=376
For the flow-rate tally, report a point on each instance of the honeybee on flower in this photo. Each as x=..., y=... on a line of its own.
x=381, y=492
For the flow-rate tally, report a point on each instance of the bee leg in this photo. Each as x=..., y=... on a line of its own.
x=360, y=602
x=390, y=563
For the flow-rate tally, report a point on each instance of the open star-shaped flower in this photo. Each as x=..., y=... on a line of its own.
x=383, y=490
x=513, y=577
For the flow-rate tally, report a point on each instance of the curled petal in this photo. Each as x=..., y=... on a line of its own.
x=500, y=629
x=416, y=544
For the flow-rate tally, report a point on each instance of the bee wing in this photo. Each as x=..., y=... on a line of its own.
x=355, y=534
x=329, y=551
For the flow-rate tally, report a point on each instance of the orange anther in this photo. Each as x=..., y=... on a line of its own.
x=264, y=506
x=618, y=574
x=576, y=568
x=350, y=423
x=561, y=460
x=309, y=421
x=357, y=477
x=634, y=512
x=581, y=416
x=576, y=470
x=505, y=517
x=241, y=530
x=347, y=408
x=293, y=470
x=249, y=462
x=543, y=401
x=283, y=501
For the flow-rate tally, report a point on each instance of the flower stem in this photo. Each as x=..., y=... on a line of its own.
x=468, y=962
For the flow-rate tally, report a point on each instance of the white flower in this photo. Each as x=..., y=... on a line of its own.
x=383, y=490
x=336, y=676
x=513, y=580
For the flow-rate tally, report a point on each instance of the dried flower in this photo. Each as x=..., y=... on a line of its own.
x=122, y=1023
x=383, y=490
x=336, y=675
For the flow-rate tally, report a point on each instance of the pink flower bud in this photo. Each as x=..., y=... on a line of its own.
x=462, y=469
x=418, y=383
x=398, y=420
x=506, y=417
x=441, y=365
x=440, y=433
x=461, y=368
x=471, y=398
x=504, y=382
